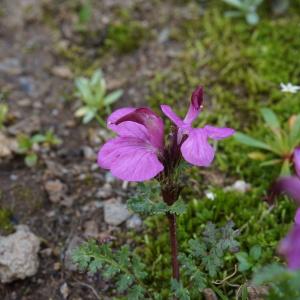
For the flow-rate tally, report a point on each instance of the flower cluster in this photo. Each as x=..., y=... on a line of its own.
x=139, y=151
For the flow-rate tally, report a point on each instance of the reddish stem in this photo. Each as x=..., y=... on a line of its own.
x=174, y=245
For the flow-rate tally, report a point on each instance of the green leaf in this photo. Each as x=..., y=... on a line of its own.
x=38, y=138
x=179, y=291
x=271, y=162
x=136, y=293
x=252, y=18
x=24, y=143
x=295, y=133
x=112, y=97
x=285, y=169
x=244, y=263
x=270, y=118
x=82, y=111
x=249, y=141
x=31, y=160
x=178, y=208
x=124, y=282
x=255, y=252
x=85, y=13
x=89, y=116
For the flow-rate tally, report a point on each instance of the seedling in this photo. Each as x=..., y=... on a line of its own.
x=281, y=142
x=29, y=145
x=244, y=8
x=95, y=102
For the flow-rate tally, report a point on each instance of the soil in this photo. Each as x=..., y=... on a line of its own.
x=31, y=33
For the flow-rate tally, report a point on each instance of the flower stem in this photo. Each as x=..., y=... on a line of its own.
x=174, y=245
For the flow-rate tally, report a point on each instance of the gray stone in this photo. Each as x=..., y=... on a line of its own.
x=73, y=244
x=115, y=212
x=239, y=186
x=89, y=153
x=90, y=229
x=135, y=222
x=104, y=192
x=10, y=66
x=56, y=190
x=64, y=290
x=7, y=146
x=26, y=126
x=19, y=255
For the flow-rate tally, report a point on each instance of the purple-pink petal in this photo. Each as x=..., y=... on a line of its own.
x=150, y=120
x=167, y=110
x=116, y=115
x=217, y=133
x=297, y=216
x=289, y=247
x=289, y=185
x=297, y=161
x=196, y=150
x=195, y=106
x=130, y=159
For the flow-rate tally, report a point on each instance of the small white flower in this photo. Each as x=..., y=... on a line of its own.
x=210, y=195
x=289, y=88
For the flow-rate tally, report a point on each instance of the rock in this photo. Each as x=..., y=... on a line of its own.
x=62, y=72
x=56, y=190
x=73, y=244
x=90, y=229
x=109, y=178
x=19, y=255
x=26, y=126
x=209, y=294
x=104, y=192
x=239, y=186
x=135, y=222
x=257, y=293
x=115, y=212
x=89, y=153
x=27, y=85
x=7, y=146
x=64, y=290
x=10, y=66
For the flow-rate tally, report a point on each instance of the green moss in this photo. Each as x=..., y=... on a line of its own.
x=125, y=37
x=6, y=225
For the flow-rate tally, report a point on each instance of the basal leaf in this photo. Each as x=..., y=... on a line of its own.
x=249, y=141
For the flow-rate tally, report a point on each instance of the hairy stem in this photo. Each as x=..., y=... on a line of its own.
x=174, y=245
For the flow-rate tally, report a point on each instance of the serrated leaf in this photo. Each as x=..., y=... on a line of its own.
x=179, y=291
x=178, y=208
x=124, y=282
x=136, y=293
x=110, y=271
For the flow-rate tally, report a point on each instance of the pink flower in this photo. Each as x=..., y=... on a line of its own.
x=195, y=148
x=289, y=247
x=134, y=154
